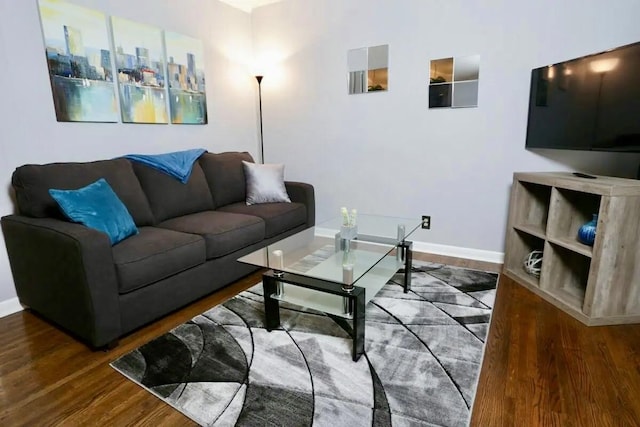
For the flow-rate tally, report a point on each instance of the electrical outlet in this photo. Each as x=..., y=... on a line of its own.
x=426, y=222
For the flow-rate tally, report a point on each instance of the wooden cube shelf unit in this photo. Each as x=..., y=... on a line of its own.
x=597, y=285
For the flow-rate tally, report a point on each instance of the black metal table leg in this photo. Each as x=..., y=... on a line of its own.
x=271, y=305
x=358, y=326
x=407, y=250
x=356, y=297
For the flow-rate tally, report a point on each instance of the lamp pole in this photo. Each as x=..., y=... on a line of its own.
x=259, y=79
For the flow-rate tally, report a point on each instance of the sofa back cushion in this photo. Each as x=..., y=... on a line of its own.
x=32, y=183
x=225, y=176
x=170, y=198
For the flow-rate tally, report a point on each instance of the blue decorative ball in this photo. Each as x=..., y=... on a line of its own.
x=587, y=232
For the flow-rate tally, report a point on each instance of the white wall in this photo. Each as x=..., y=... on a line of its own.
x=387, y=153
x=30, y=133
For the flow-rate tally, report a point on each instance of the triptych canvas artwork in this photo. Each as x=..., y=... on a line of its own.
x=158, y=75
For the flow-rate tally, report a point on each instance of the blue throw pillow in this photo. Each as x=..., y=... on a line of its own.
x=97, y=206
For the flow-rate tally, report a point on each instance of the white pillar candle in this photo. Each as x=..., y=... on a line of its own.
x=278, y=260
x=347, y=274
x=401, y=232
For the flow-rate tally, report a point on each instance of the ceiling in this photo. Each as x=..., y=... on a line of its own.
x=248, y=5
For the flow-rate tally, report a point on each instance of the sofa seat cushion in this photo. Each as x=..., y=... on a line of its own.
x=278, y=217
x=223, y=232
x=154, y=254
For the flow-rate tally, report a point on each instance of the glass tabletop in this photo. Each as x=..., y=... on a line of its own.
x=320, y=252
x=364, y=257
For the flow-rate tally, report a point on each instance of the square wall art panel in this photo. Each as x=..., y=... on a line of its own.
x=185, y=70
x=368, y=69
x=141, y=71
x=79, y=60
x=453, y=82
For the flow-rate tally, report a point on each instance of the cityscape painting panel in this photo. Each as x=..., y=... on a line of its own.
x=140, y=70
x=79, y=61
x=185, y=71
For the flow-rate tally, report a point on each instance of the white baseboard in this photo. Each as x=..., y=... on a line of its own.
x=459, y=252
x=446, y=250
x=9, y=306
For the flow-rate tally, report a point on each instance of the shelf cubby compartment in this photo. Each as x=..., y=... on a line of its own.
x=531, y=207
x=568, y=211
x=522, y=245
x=565, y=275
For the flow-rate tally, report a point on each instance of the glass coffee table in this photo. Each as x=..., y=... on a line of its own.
x=336, y=269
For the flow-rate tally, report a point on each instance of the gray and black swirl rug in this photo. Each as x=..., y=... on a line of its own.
x=422, y=360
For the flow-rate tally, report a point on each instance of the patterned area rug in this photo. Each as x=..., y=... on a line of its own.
x=422, y=360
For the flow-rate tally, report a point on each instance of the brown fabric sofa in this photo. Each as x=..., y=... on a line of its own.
x=190, y=236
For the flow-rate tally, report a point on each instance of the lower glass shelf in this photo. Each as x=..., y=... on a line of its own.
x=372, y=281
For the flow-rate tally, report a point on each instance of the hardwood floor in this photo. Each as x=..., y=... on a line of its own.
x=540, y=367
x=543, y=368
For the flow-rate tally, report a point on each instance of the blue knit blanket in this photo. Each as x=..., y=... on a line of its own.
x=178, y=164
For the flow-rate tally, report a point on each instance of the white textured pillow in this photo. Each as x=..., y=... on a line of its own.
x=265, y=183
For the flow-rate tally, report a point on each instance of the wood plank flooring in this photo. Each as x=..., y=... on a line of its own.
x=540, y=367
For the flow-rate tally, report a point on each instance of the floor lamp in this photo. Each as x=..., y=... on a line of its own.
x=259, y=79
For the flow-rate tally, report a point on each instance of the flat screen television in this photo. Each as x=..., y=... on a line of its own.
x=590, y=103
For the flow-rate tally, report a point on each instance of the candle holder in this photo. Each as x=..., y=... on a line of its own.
x=347, y=286
x=278, y=267
x=401, y=236
x=348, y=232
x=348, y=229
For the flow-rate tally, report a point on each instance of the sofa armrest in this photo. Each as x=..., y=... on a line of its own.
x=65, y=272
x=303, y=193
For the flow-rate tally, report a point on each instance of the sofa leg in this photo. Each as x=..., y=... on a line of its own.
x=109, y=346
